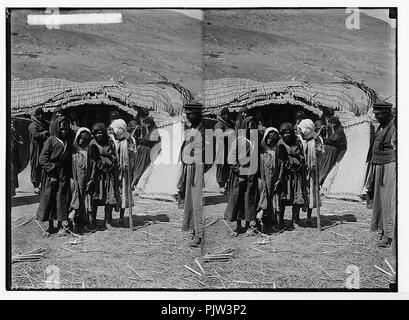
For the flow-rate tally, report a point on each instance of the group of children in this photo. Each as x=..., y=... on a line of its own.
x=288, y=173
x=86, y=169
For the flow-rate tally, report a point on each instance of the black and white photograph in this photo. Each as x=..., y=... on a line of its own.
x=202, y=149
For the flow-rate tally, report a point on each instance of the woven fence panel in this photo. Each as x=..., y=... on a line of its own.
x=161, y=178
x=347, y=178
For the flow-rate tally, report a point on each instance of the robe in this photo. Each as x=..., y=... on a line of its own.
x=242, y=189
x=335, y=146
x=37, y=134
x=56, y=161
x=294, y=181
x=191, y=181
x=271, y=170
x=222, y=133
x=106, y=186
x=83, y=171
x=381, y=184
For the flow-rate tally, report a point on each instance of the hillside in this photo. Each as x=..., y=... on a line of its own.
x=298, y=44
x=262, y=45
x=147, y=40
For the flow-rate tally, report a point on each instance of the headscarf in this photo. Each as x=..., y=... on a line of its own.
x=101, y=127
x=56, y=125
x=121, y=134
x=77, y=135
x=263, y=141
x=319, y=125
x=335, y=121
x=307, y=128
x=246, y=122
x=132, y=125
x=120, y=129
x=286, y=126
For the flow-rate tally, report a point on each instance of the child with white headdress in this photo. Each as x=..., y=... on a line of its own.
x=125, y=150
x=311, y=147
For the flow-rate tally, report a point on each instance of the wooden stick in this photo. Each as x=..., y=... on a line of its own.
x=232, y=232
x=45, y=234
x=163, y=241
x=136, y=272
x=200, y=266
x=194, y=271
x=129, y=193
x=210, y=223
x=327, y=273
x=389, y=265
x=338, y=234
x=317, y=192
x=385, y=272
x=22, y=224
x=220, y=278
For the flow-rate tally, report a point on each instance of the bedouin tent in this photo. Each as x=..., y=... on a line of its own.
x=162, y=99
x=351, y=101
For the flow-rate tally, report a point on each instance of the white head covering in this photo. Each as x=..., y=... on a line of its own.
x=77, y=135
x=268, y=130
x=307, y=128
x=120, y=128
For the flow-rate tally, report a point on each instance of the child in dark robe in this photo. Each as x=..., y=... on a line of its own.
x=272, y=159
x=294, y=191
x=106, y=188
x=83, y=171
x=243, y=180
x=56, y=159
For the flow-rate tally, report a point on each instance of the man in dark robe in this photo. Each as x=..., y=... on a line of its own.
x=335, y=147
x=192, y=177
x=56, y=161
x=38, y=133
x=15, y=163
x=223, y=129
x=381, y=182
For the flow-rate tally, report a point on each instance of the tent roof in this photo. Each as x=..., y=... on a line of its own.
x=50, y=93
x=237, y=92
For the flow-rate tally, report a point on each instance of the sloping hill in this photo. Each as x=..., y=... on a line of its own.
x=304, y=44
x=147, y=40
x=263, y=45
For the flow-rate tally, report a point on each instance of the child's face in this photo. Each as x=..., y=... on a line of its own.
x=272, y=138
x=84, y=139
x=99, y=136
x=64, y=127
x=286, y=134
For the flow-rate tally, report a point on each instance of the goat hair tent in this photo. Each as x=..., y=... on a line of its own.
x=349, y=100
x=164, y=100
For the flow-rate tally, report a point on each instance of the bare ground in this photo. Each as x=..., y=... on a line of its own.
x=155, y=254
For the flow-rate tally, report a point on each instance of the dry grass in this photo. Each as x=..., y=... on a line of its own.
x=303, y=258
x=156, y=255
x=112, y=259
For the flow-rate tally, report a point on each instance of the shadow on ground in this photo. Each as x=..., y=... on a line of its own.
x=215, y=200
x=25, y=200
x=328, y=220
x=139, y=220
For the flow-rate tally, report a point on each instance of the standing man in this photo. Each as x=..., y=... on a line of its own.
x=381, y=183
x=38, y=132
x=222, y=130
x=192, y=156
